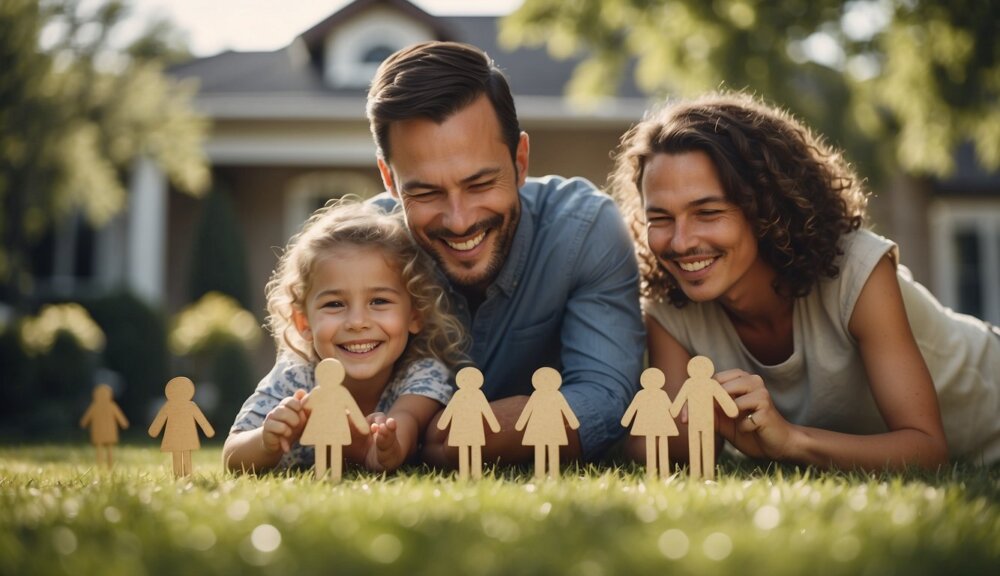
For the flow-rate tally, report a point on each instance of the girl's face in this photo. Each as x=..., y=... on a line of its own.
x=359, y=312
x=702, y=239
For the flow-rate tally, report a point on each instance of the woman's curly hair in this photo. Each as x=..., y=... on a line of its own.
x=349, y=222
x=798, y=194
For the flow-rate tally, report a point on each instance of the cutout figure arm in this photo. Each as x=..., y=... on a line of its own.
x=158, y=422
x=119, y=416
x=199, y=417
x=630, y=412
x=725, y=401
x=522, y=420
x=445, y=417
x=571, y=418
x=491, y=418
x=87, y=416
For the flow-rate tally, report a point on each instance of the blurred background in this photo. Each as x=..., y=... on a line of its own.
x=155, y=156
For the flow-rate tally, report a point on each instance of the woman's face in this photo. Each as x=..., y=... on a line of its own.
x=703, y=240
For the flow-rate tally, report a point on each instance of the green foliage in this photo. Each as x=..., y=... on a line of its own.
x=218, y=258
x=58, y=515
x=233, y=378
x=918, y=75
x=136, y=348
x=74, y=114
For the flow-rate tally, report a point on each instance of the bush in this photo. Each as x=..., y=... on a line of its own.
x=136, y=349
x=218, y=260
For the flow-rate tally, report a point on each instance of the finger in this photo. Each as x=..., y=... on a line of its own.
x=299, y=394
x=376, y=417
x=727, y=375
x=285, y=446
x=386, y=438
x=287, y=416
x=390, y=423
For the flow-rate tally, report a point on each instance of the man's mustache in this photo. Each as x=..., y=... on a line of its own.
x=445, y=234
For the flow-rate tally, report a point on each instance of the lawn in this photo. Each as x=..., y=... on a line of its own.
x=58, y=515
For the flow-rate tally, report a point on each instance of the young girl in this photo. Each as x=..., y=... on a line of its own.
x=353, y=286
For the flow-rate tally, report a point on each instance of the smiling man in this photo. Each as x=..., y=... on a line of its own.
x=541, y=271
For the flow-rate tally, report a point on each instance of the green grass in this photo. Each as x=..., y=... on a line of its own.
x=58, y=515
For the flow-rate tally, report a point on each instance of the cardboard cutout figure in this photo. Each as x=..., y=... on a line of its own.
x=542, y=421
x=331, y=409
x=701, y=392
x=104, y=418
x=182, y=418
x=651, y=411
x=465, y=413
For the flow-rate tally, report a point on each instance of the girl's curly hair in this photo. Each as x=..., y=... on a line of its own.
x=798, y=194
x=349, y=222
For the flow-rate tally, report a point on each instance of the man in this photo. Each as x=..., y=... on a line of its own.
x=542, y=271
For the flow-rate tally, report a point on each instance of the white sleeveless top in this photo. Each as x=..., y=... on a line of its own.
x=823, y=384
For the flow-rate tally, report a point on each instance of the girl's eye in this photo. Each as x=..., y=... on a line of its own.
x=380, y=301
x=332, y=304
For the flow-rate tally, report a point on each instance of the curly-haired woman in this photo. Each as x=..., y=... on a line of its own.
x=751, y=240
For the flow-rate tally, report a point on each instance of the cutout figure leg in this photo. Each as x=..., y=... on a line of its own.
x=108, y=456
x=186, y=462
x=708, y=458
x=540, y=461
x=554, y=460
x=651, y=456
x=694, y=452
x=178, y=465
x=463, y=462
x=322, y=459
x=336, y=462
x=477, y=461
x=664, y=457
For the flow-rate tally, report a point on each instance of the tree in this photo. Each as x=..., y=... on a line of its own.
x=74, y=114
x=919, y=75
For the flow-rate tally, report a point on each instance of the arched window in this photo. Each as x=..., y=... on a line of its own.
x=376, y=54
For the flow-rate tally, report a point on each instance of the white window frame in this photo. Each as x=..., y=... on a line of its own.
x=308, y=190
x=347, y=45
x=947, y=218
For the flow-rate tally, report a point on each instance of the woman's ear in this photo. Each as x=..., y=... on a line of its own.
x=302, y=324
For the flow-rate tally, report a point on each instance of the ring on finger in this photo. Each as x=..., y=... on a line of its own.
x=750, y=418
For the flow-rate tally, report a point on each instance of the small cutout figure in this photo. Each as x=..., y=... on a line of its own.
x=182, y=418
x=331, y=407
x=104, y=418
x=701, y=392
x=542, y=421
x=651, y=411
x=466, y=412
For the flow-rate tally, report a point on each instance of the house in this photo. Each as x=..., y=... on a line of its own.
x=289, y=132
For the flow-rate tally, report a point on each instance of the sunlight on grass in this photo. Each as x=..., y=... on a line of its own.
x=60, y=515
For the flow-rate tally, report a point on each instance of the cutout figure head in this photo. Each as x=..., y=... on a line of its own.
x=652, y=379
x=469, y=378
x=701, y=368
x=546, y=379
x=179, y=388
x=330, y=372
x=102, y=393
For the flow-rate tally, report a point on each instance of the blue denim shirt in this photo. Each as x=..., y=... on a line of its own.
x=567, y=297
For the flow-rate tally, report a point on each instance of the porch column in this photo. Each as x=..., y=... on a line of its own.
x=147, y=226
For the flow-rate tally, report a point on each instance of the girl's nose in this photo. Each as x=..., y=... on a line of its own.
x=357, y=319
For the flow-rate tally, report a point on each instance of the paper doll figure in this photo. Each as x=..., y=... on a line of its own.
x=701, y=392
x=543, y=415
x=330, y=407
x=104, y=417
x=466, y=412
x=182, y=418
x=651, y=411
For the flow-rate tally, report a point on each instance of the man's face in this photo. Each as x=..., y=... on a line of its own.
x=458, y=188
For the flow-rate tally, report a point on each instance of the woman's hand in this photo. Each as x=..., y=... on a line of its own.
x=759, y=431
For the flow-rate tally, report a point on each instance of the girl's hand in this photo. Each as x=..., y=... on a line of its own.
x=759, y=431
x=283, y=426
x=384, y=451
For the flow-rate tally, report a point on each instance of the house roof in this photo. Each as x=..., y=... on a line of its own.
x=289, y=82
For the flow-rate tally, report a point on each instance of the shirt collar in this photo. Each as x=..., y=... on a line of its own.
x=517, y=258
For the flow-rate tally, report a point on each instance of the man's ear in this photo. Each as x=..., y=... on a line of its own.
x=387, y=181
x=521, y=159
x=302, y=324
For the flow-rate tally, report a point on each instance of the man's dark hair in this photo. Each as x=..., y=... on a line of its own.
x=435, y=80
